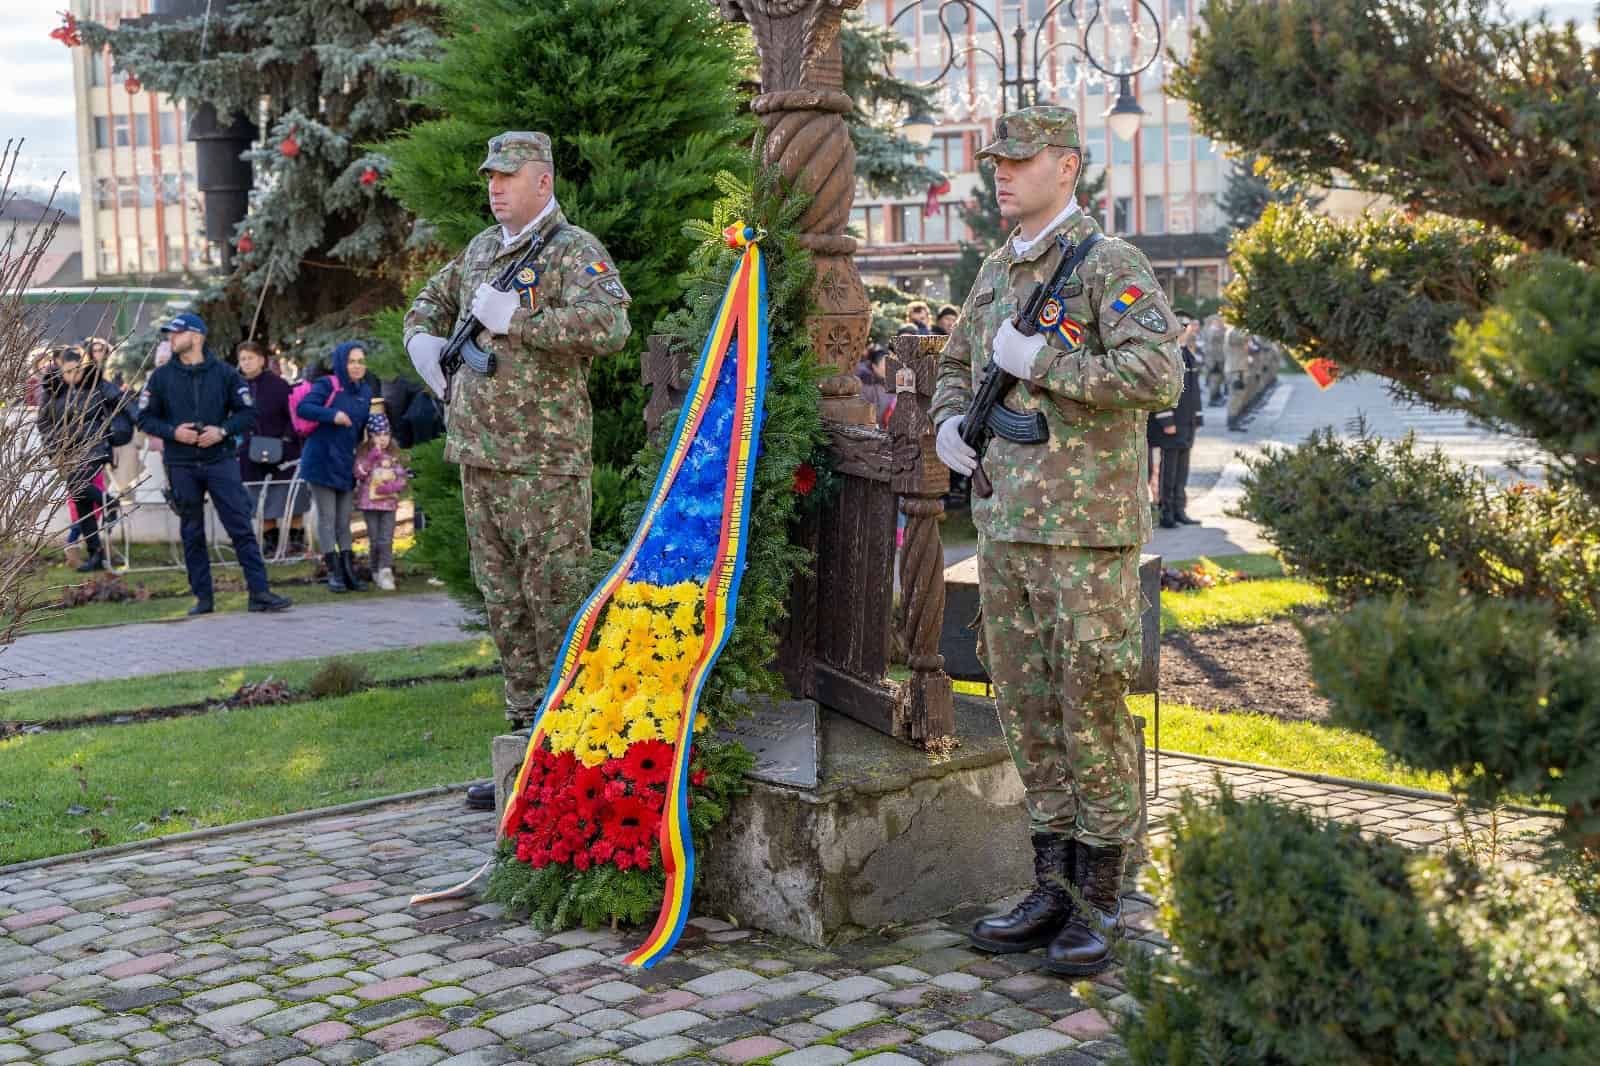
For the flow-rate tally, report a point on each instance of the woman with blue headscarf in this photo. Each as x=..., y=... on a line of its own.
x=339, y=402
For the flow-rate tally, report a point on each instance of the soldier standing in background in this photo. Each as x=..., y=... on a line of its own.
x=522, y=436
x=1058, y=542
x=1214, y=346
x=1172, y=431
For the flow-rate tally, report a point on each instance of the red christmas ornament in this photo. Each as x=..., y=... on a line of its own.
x=246, y=245
x=67, y=33
x=290, y=145
x=805, y=479
x=369, y=176
x=131, y=85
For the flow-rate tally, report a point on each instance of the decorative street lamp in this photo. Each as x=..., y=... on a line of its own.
x=1108, y=35
x=917, y=128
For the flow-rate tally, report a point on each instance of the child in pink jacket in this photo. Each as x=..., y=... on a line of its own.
x=380, y=482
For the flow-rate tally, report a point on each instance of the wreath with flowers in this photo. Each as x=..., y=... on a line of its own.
x=586, y=848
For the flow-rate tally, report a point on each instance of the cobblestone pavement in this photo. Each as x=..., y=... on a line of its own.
x=296, y=945
x=368, y=623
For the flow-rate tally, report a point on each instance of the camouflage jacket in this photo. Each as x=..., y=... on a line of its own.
x=1086, y=486
x=533, y=415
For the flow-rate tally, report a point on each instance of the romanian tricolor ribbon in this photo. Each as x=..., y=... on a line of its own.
x=685, y=541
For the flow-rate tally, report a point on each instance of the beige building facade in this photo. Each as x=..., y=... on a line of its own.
x=1164, y=186
x=141, y=214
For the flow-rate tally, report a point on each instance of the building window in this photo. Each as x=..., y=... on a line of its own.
x=105, y=193
x=97, y=71
x=1121, y=150
x=1122, y=214
x=1204, y=149
x=108, y=257
x=169, y=189
x=1154, y=144
x=130, y=255
x=147, y=190
x=947, y=154
x=936, y=227
x=141, y=131
x=1178, y=142
x=169, y=127
x=907, y=224
x=102, y=131
x=152, y=258
x=1155, y=214
x=1094, y=145
x=119, y=130
x=127, y=194
x=1209, y=221
x=174, y=252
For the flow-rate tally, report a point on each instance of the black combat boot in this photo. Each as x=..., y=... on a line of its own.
x=347, y=560
x=1041, y=914
x=1083, y=946
x=335, y=572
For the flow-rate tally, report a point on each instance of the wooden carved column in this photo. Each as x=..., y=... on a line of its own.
x=926, y=703
x=803, y=108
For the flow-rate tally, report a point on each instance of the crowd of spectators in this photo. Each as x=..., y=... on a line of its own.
x=265, y=443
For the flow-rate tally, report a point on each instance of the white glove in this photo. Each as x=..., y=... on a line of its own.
x=493, y=308
x=954, y=452
x=424, y=350
x=1016, y=353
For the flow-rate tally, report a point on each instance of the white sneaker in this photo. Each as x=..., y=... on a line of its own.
x=386, y=579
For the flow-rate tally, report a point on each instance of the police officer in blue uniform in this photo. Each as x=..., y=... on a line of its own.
x=202, y=407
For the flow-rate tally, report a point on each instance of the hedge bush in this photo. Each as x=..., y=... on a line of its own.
x=1302, y=943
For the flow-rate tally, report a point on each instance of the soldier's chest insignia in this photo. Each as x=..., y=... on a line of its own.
x=1127, y=299
x=984, y=300
x=1152, y=320
x=1072, y=288
x=526, y=285
x=614, y=287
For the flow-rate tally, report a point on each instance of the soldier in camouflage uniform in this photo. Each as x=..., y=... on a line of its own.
x=522, y=436
x=1058, y=542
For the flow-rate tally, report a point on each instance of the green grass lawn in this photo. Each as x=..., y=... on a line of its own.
x=236, y=765
x=1241, y=603
x=193, y=686
x=168, y=608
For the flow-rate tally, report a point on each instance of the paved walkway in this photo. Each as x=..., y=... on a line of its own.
x=360, y=623
x=295, y=945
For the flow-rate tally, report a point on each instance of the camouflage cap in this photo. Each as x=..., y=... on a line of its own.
x=1020, y=134
x=509, y=150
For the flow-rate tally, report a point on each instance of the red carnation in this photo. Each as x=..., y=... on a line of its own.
x=805, y=479
x=623, y=860
x=589, y=788
x=653, y=798
x=290, y=145
x=602, y=851
x=697, y=778
x=629, y=823
x=581, y=860
x=615, y=790
x=648, y=763
x=612, y=767
x=369, y=176
x=641, y=856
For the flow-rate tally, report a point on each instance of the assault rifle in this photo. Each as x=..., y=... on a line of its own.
x=462, y=347
x=989, y=416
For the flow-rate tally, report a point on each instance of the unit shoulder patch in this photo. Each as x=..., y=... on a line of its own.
x=1152, y=320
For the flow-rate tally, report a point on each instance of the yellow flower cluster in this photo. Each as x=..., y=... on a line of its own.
x=631, y=679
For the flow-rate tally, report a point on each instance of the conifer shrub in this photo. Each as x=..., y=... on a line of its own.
x=1302, y=943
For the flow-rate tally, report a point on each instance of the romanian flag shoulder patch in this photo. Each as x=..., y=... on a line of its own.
x=1127, y=299
x=597, y=267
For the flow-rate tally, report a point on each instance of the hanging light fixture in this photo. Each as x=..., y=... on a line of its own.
x=1125, y=115
x=917, y=128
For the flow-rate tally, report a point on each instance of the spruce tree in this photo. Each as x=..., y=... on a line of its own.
x=886, y=162
x=1252, y=188
x=322, y=235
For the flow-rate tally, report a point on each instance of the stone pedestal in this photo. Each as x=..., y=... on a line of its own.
x=890, y=835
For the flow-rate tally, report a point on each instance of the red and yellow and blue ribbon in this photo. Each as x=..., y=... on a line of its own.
x=733, y=360
x=1127, y=299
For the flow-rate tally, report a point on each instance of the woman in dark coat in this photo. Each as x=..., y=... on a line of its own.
x=82, y=417
x=328, y=460
x=271, y=395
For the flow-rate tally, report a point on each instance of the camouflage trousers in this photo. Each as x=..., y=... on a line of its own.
x=529, y=535
x=1061, y=642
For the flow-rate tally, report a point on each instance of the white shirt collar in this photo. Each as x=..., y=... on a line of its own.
x=507, y=238
x=1022, y=247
